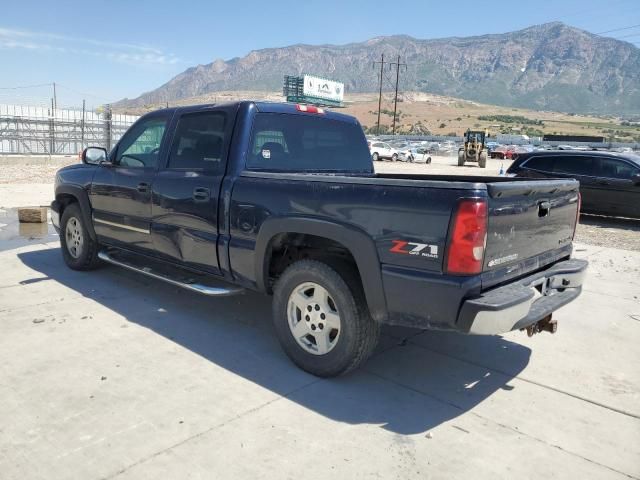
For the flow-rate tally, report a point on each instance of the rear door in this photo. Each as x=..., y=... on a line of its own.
x=186, y=190
x=121, y=192
x=614, y=190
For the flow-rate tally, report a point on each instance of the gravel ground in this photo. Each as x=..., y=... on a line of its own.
x=593, y=230
x=623, y=233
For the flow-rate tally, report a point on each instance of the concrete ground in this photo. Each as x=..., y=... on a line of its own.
x=108, y=374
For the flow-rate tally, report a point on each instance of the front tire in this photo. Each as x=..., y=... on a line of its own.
x=321, y=318
x=482, y=160
x=394, y=157
x=79, y=251
x=461, y=158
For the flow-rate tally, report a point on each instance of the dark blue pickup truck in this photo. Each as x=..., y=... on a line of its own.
x=283, y=199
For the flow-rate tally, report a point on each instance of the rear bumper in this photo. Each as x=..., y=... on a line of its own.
x=524, y=302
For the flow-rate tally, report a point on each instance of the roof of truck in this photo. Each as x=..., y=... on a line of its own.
x=266, y=107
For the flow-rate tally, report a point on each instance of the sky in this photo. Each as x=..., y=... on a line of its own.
x=106, y=50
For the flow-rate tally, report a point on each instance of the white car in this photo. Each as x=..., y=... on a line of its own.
x=418, y=155
x=382, y=150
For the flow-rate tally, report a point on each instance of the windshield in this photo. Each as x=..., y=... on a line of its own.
x=284, y=142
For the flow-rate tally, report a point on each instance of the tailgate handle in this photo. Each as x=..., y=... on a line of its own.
x=543, y=209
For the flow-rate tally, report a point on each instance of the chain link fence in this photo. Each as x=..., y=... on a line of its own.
x=30, y=130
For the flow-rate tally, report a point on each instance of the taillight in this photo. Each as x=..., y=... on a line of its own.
x=309, y=109
x=468, y=238
x=575, y=225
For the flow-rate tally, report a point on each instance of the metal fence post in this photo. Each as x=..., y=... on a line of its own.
x=82, y=127
x=52, y=131
x=107, y=126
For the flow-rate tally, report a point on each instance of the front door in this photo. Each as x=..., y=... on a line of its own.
x=121, y=191
x=185, y=192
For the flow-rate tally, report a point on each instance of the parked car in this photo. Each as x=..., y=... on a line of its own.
x=432, y=148
x=382, y=150
x=491, y=146
x=283, y=199
x=415, y=154
x=509, y=151
x=609, y=182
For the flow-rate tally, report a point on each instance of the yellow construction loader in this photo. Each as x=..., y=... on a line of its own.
x=473, y=149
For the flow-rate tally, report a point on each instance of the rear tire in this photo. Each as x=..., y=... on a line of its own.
x=374, y=157
x=461, y=158
x=79, y=251
x=482, y=160
x=321, y=318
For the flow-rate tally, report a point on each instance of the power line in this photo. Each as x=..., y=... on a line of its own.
x=99, y=97
x=618, y=29
x=20, y=87
x=627, y=36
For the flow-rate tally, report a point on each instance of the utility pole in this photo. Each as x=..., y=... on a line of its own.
x=380, y=94
x=55, y=98
x=395, y=101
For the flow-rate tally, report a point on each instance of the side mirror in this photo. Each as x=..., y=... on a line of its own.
x=635, y=178
x=94, y=155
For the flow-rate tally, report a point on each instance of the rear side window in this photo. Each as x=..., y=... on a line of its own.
x=573, y=165
x=544, y=164
x=612, y=168
x=307, y=143
x=198, y=142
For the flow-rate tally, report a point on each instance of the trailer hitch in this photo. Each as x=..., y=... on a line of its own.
x=544, y=325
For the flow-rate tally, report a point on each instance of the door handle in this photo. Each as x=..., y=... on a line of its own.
x=143, y=187
x=201, y=194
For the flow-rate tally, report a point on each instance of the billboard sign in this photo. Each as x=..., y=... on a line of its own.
x=321, y=88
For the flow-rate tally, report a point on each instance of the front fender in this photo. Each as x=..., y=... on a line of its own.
x=81, y=196
x=356, y=241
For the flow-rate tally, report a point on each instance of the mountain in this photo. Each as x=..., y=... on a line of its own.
x=545, y=67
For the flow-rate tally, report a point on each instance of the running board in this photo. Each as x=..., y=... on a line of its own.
x=209, y=290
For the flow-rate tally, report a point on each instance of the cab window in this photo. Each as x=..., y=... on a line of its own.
x=140, y=146
x=307, y=143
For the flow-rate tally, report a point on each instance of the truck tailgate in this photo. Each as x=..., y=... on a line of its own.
x=528, y=222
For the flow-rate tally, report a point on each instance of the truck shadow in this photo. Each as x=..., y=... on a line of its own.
x=599, y=221
x=415, y=381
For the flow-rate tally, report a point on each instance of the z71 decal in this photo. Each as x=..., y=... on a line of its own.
x=412, y=248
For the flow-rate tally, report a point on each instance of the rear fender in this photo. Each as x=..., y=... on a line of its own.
x=356, y=241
